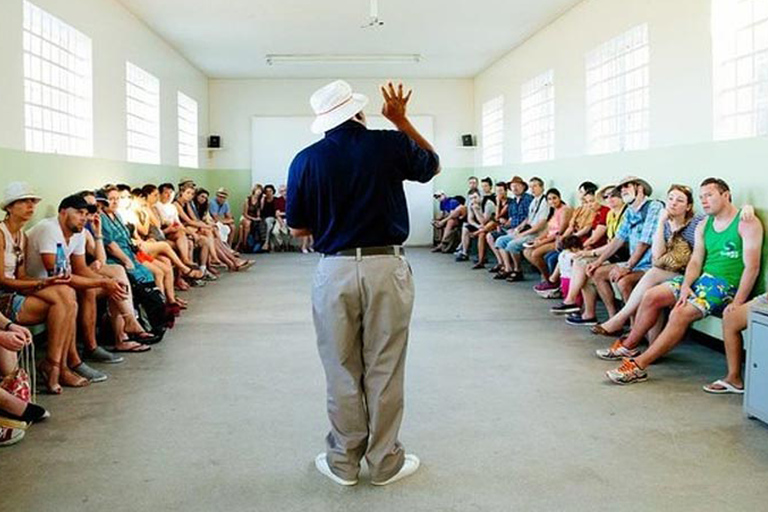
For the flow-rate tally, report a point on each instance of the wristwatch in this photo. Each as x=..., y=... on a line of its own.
x=8, y=325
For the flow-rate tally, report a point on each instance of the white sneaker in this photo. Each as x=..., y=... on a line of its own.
x=321, y=463
x=11, y=436
x=410, y=466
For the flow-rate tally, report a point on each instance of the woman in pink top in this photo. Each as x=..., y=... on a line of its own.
x=559, y=217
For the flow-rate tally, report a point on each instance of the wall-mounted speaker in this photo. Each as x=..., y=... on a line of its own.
x=214, y=141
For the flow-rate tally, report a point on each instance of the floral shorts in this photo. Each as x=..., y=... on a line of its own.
x=710, y=294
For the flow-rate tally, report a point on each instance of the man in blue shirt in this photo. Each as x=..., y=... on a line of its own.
x=347, y=191
x=222, y=215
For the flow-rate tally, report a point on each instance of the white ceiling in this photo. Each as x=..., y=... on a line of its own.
x=231, y=38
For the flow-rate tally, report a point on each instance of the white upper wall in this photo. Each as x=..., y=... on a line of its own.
x=234, y=102
x=680, y=71
x=117, y=36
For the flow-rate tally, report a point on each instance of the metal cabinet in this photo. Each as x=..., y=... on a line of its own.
x=756, y=385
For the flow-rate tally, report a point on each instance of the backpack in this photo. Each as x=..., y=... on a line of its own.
x=153, y=313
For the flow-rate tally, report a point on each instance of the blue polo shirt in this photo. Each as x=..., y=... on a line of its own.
x=218, y=209
x=347, y=189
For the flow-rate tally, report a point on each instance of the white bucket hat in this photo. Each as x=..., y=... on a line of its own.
x=334, y=104
x=16, y=191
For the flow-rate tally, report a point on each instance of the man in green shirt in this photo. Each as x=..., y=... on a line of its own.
x=719, y=277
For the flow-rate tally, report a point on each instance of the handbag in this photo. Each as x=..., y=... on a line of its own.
x=19, y=384
x=676, y=256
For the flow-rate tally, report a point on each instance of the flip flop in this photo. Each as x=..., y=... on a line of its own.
x=725, y=388
x=136, y=348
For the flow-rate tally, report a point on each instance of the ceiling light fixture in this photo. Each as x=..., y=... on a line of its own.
x=311, y=58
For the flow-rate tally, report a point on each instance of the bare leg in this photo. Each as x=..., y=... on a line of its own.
x=679, y=320
x=604, y=288
x=734, y=323
x=654, y=302
x=632, y=302
x=578, y=281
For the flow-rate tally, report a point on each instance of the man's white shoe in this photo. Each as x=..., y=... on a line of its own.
x=321, y=463
x=410, y=466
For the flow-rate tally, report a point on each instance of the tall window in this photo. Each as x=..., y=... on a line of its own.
x=740, y=71
x=188, y=150
x=142, y=108
x=618, y=93
x=493, y=131
x=537, y=107
x=58, y=85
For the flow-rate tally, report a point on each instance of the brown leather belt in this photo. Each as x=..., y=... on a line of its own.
x=360, y=252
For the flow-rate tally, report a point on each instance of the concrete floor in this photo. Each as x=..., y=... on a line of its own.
x=506, y=406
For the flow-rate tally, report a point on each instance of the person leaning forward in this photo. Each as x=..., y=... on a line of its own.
x=347, y=191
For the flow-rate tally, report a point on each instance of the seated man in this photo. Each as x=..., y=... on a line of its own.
x=454, y=220
x=511, y=246
x=722, y=271
x=445, y=205
x=222, y=216
x=66, y=231
x=637, y=229
x=281, y=232
x=512, y=214
x=479, y=213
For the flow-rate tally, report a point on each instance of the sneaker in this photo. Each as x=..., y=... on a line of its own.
x=545, y=286
x=551, y=294
x=410, y=466
x=564, y=309
x=321, y=463
x=578, y=320
x=462, y=257
x=617, y=351
x=89, y=373
x=11, y=436
x=100, y=355
x=627, y=373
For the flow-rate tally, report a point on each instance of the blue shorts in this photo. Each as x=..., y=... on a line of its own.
x=711, y=294
x=512, y=244
x=11, y=304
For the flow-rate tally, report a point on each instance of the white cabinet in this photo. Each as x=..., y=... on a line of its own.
x=756, y=390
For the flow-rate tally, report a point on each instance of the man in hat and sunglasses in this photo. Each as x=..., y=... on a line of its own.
x=637, y=229
x=347, y=191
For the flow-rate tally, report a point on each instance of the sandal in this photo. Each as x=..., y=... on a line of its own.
x=144, y=337
x=73, y=380
x=193, y=273
x=131, y=346
x=496, y=269
x=51, y=374
x=599, y=330
x=722, y=387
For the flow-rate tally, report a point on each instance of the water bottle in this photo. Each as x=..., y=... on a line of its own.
x=62, y=265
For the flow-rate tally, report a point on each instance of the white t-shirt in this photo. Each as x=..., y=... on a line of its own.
x=565, y=262
x=42, y=239
x=168, y=213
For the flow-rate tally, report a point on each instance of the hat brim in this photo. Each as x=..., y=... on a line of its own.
x=647, y=186
x=334, y=118
x=20, y=198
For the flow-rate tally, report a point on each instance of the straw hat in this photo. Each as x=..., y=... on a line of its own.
x=17, y=191
x=634, y=179
x=335, y=104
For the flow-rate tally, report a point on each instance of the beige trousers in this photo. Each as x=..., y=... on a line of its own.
x=362, y=309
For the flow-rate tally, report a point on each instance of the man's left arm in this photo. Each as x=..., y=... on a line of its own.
x=751, y=232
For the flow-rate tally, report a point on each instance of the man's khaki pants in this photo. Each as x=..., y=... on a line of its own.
x=362, y=308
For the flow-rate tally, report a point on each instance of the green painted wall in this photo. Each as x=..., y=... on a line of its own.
x=55, y=176
x=742, y=163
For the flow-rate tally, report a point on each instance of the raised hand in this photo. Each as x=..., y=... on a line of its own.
x=395, y=102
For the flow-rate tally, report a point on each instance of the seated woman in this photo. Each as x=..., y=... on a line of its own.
x=151, y=239
x=251, y=215
x=13, y=339
x=199, y=230
x=172, y=229
x=672, y=247
x=497, y=226
x=201, y=211
x=28, y=301
x=557, y=223
x=269, y=214
x=121, y=250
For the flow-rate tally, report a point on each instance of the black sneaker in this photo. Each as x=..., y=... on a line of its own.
x=564, y=309
x=577, y=320
x=462, y=257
